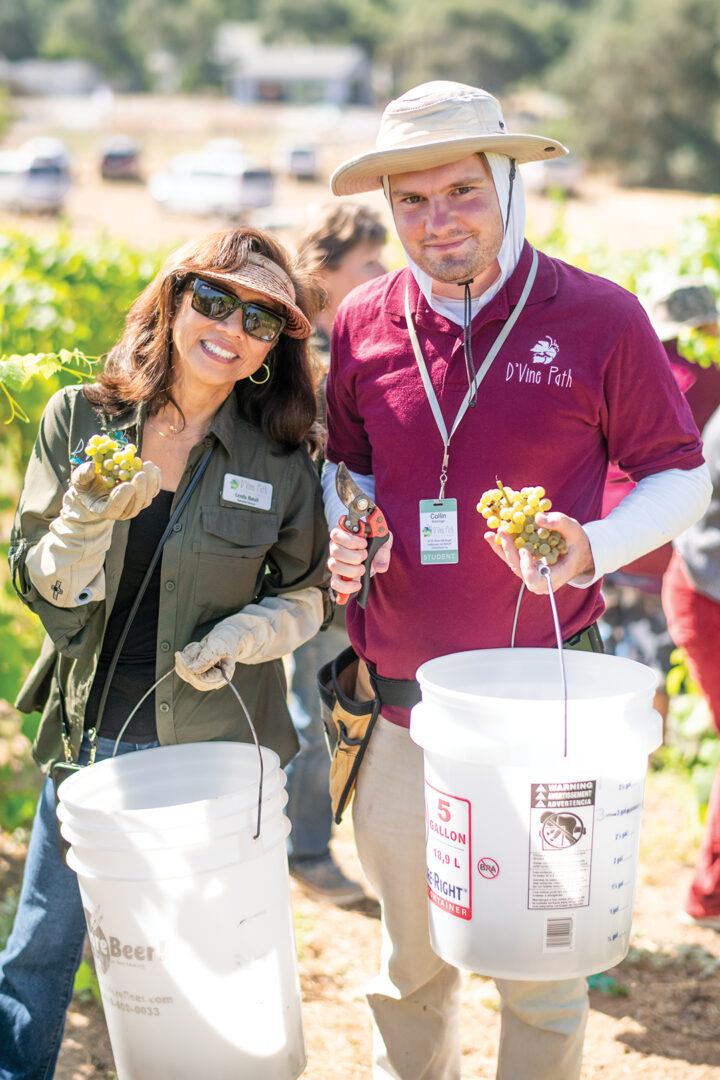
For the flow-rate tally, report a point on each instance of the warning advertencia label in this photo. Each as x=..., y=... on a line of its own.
x=448, y=851
x=562, y=816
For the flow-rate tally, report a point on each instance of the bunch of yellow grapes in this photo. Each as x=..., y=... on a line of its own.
x=513, y=512
x=114, y=461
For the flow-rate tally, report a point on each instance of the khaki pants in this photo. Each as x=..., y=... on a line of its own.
x=415, y=1000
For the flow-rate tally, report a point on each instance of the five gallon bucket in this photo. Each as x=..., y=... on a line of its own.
x=188, y=910
x=533, y=823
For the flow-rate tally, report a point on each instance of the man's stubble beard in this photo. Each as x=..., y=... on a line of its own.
x=453, y=269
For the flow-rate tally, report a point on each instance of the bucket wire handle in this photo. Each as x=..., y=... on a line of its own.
x=147, y=693
x=257, y=744
x=544, y=570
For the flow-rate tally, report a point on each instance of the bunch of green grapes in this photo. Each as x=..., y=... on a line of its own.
x=114, y=461
x=513, y=512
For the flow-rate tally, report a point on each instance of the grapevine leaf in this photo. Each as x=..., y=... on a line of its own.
x=44, y=364
x=13, y=372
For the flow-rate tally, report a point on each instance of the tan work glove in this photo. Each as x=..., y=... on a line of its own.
x=87, y=501
x=260, y=632
x=66, y=565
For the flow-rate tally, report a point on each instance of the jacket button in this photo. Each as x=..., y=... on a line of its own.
x=164, y=707
x=177, y=527
x=165, y=646
x=169, y=585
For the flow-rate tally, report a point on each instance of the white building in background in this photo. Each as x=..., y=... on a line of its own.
x=297, y=74
x=40, y=77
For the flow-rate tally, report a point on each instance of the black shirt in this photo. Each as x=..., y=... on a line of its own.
x=135, y=671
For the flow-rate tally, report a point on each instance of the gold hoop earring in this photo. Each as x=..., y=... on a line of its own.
x=261, y=382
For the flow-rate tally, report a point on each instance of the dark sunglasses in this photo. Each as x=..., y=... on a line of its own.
x=215, y=303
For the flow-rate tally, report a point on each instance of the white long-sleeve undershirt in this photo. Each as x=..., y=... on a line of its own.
x=658, y=509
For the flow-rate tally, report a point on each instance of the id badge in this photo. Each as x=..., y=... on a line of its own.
x=438, y=531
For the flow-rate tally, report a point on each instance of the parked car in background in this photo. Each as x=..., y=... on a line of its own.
x=120, y=159
x=298, y=160
x=35, y=178
x=562, y=174
x=214, y=181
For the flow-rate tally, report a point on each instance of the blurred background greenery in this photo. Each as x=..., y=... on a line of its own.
x=640, y=78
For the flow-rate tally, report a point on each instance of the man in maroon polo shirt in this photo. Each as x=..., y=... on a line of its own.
x=482, y=359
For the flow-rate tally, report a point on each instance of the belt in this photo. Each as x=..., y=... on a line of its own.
x=588, y=640
x=405, y=693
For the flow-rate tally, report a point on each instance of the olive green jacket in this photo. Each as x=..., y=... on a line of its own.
x=220, y=556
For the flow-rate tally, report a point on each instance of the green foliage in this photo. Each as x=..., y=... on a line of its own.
x=679, y=680
x=606, y=984
x=643, y=82
x=367, y=23
x=86, y=986
x=21, y=635
x=53, y=290
x=21, y=27
x=495, y=44
x=94, y=30
x=691, y=742
x=61, y=299
x=641, y=79
x=8, y=907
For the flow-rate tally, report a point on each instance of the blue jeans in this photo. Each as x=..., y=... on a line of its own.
x=308, y=774
x=44, y=950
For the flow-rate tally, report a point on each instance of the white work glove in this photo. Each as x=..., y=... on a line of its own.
x=266, y=631
x=66, y=565
x=86, y=501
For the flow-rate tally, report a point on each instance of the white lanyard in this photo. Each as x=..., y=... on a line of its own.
x=482, y=372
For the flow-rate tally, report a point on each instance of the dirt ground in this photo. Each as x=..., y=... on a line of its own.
x=667, y=1024
x=665, y=1027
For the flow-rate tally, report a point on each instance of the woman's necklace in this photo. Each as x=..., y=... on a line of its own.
x=173, y=433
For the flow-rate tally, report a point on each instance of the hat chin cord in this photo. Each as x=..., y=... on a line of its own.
x=467, y=306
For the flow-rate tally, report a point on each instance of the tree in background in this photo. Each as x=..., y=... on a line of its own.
x=21, y=27
x=643, y=83
x=94, y=30
x=490, y=43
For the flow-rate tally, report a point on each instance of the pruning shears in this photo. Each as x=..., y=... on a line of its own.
x=363, y=518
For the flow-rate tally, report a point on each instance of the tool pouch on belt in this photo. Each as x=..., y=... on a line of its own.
x=349, y=723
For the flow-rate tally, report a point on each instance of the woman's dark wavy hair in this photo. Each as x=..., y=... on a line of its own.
x=139, y=367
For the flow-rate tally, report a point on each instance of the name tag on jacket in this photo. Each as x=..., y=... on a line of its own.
x=246, y=492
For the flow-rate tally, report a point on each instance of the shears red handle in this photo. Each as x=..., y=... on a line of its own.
x=376, y=532
x=364, y=519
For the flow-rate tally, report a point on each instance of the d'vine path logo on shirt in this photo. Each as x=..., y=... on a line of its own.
x=544, y=352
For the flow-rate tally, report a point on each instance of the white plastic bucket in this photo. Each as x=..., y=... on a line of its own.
x=193, y=942
x=134, y=862
x=209, y=831
x=213, y=783
x=532, y=852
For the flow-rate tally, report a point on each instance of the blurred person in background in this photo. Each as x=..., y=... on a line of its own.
x=341, y=249
x=691, y=598
x=634, y=623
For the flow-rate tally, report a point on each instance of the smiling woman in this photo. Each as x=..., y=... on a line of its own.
x=212, y=554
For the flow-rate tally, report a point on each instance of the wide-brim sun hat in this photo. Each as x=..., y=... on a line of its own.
x=435, y=124
x=264, y=276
